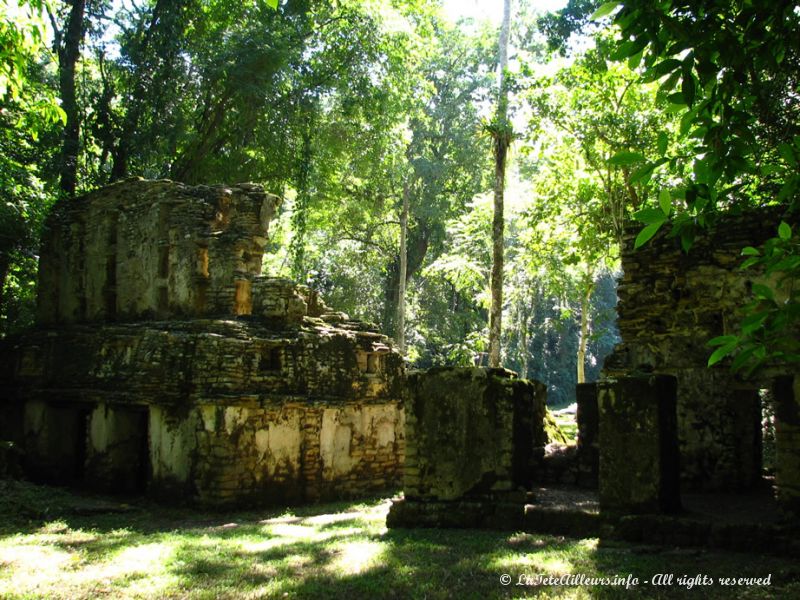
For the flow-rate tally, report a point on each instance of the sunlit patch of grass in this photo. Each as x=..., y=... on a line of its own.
x=355, y=557
x=568, y=425
x=337, y=550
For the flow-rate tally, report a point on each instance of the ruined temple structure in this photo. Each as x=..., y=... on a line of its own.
x=164, y=361
x=671, y=303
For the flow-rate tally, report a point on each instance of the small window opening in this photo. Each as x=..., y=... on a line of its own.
x=163, y=261
x=270, y=360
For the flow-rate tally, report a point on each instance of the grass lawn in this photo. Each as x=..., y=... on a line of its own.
x=340, y=550
x=568, y=426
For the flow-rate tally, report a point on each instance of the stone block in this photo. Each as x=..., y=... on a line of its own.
x=473, y=432
x=639, y=464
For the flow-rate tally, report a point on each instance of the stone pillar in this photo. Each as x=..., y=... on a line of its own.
x=639, y=469
x=470, y=439
x=588, y=421
x=787, y=443
x=469, y=432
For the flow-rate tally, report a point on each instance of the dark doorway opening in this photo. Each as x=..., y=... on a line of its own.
x=67, y=439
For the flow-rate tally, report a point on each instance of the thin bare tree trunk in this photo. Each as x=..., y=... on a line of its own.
x=502, y=139
x=585, y=308
x=523, y=336
x=401, y=284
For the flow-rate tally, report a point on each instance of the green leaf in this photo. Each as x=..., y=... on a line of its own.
x=741, y=359
x=663, y=140
x=749, y=262
x=272, y=3
x=649, y=216
x=750, y=251
x=604, y=10
x=624, y=158
x=787, y=153
x=762, y=291
x=665, y=202
x=642, y=174
x=784, y=231
x=688, y=89
x=661, y=69
x=723, y=340
x=721, y=353
x=634, y=60
x=627, y=49
x=687, y=121
x=646, y=233
x=752, y=322
x=788, y=189
x=687, y=239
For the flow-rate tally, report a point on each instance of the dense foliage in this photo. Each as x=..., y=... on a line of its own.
x=371, y=118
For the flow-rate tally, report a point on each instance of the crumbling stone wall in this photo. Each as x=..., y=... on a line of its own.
x=670, y=304
x=203, y=378
x=153, y=249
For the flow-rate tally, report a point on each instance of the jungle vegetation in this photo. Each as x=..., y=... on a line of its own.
x=384, y=124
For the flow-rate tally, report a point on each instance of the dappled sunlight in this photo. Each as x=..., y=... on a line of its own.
x=334, y=518
x=281, y=519
x=328, y=551
x=259, y=546
x=542, y=558
x=589, y=544
x=296, y=533
x=33, y=567
x=299, y=561
x=356, y=557
x=143, y=568
x=50, y=564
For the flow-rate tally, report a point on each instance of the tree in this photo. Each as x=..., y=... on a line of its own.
x=67, y=39
x=501, y=133
x=739, y=109
x=28, y=113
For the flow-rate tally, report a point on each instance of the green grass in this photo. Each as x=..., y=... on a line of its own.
x=340, y=550
x=568, y=426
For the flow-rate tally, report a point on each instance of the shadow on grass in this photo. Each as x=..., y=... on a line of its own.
x=340, y=550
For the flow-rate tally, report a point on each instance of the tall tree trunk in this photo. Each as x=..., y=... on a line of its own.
x=68, y=42
x=300, y=213
x=502, y=139
x=523, y=341
x=417, y=241
x=401, y=284
x=584, y=338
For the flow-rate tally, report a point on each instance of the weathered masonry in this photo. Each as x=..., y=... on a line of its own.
x=164, y=361
x=670, y=304
x=473, y=435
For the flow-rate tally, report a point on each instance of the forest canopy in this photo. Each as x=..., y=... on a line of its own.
x=376, y=120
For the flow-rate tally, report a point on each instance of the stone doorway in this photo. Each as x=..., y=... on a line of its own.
x=66, y=438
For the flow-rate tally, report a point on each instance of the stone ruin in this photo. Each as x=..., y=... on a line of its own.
x=670, y=304
x=658, y=424
x=472, y=440
x=163, y=360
